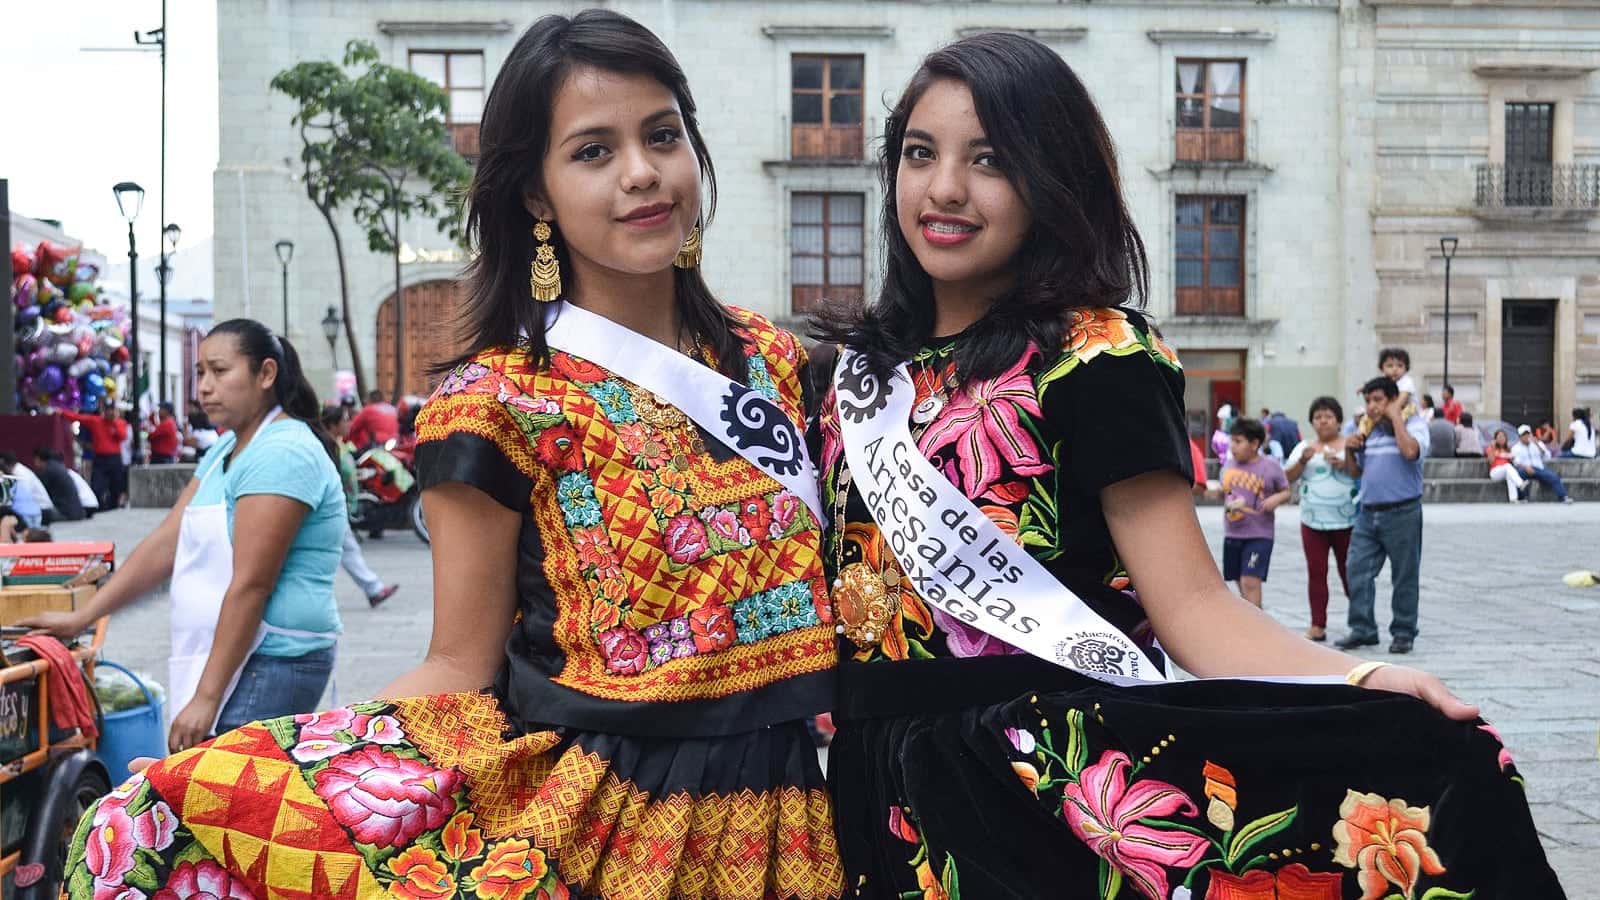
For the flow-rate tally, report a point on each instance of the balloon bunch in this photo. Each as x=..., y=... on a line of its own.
x=71, y=342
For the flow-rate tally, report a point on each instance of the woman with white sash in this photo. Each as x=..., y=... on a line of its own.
x=246, y=547
x=630, y=623
x=1006, y=469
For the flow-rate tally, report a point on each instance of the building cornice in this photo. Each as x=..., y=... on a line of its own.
x=870, y=32
x=1548, y=71
x=1046, y=35
x=1210, y=35
x=454, y=26
x=1247, y=172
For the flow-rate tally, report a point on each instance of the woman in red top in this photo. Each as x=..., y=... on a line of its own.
x=1501, y=469
x=109, y=478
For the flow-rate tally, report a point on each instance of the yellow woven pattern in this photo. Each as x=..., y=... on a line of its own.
x=616, y=840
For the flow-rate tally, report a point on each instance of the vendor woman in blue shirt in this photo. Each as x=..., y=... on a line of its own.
x=251, y=548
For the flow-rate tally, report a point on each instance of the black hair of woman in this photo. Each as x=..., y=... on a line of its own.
x=513, y=140
x=290, y=389
x=1582, y=415
x=1053, y=146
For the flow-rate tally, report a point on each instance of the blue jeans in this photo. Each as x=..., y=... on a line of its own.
x=1549, y=479
x=1395, y=534
x=274, y=686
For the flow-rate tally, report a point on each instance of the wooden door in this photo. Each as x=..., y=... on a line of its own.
x=1527, y=361
x=432, y=319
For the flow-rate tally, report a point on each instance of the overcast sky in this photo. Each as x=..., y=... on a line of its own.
x=78, y=122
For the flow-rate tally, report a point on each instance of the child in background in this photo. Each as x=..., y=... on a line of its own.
x=1395, y=363
x=1254, y=486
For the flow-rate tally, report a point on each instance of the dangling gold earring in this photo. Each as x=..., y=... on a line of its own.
x=544, y=276
x=689, y=254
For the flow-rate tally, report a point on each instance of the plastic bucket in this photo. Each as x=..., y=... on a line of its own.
x=132, y=732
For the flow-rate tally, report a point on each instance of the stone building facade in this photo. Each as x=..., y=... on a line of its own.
x=1261, y=144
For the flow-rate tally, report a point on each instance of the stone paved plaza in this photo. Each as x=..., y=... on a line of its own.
x=1496, y=624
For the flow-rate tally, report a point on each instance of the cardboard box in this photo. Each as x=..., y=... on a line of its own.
x=27, y=564
x=27, y=600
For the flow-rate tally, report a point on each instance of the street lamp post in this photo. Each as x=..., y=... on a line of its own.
x=330, y=330
x=285, y=250
x=1447, y=246
x=130, y=199
x=170, y=237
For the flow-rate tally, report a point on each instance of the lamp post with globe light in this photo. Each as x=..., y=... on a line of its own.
x=130, y=199
x=170, y=236
x=285, y=249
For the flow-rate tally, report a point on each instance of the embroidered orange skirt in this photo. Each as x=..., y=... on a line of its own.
x=426, y=798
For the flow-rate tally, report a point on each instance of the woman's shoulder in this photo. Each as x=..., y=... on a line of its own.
x=768, y=339
x=1098, y=333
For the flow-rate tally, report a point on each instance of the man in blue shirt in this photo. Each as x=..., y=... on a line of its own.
x=1389, y=464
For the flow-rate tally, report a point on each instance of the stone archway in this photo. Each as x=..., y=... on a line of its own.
x=432, y=315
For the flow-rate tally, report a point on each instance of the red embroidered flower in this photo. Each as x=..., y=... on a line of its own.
x=712, y=627
x=461, y=840
x=594, y=550
x=512, y=871
x=557, y=448
x=109, y=850
x=422, y=875
x=626, y=651
x=203, y=880
x=726, y=526
x=756, y=517
x=1292, y=882
x=386, y=800
x=686, y=539
x=575, y=369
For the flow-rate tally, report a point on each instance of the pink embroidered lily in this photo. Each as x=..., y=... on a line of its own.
x=1105, y=812
x=324, y=724
x=109, y=850
x=983, y=425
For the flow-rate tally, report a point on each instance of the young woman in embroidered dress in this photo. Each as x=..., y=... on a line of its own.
x=1055, y=414
x=629, y=616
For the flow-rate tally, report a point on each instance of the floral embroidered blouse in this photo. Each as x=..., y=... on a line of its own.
x=666, y=587
x=1032, y=448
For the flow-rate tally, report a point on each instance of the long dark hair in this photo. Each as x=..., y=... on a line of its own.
x=290, y=389
x=513, y=140
x=1582, y=415
x=1082, y=250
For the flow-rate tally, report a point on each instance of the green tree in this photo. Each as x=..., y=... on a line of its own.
x=374, y=143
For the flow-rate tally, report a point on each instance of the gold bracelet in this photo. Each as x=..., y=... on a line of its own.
x=1360, y=673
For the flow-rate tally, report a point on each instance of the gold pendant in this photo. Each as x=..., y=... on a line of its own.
x=865, y=604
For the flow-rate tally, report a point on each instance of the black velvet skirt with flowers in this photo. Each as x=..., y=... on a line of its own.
x=1216, y=790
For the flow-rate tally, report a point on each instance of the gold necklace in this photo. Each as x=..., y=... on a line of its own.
x=655, y=411
x=865, y=600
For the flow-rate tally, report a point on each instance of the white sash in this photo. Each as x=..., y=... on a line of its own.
x=747, y=422
x=956, y=556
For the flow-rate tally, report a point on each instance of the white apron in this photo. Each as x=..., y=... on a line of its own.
x=202, y=569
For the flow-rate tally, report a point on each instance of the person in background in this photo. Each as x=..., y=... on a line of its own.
x=336, y=421
x=198, y=433
x=1427, y=410
x=57, y=481
x=1500, y=467
x=1254, y=486
x=1451, y=410
x=1388, y=460
x=1197, y=460
x=106, y=432
x=1583, y=439
x=15, y=492
x=249, y=547
x=1529, y=456
x=1395, y=364
x=377, y=423
x=11, y=527
x=1547, y=435
x=1220, y=438
x=28, y=480
x=1469, y=445
x=164, y=439
x=1327, y=506
x=37, y=536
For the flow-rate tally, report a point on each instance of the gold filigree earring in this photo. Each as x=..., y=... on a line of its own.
x=689, y=254
x=544, y=276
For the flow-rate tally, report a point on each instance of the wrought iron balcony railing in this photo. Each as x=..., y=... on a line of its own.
x=1564, y=186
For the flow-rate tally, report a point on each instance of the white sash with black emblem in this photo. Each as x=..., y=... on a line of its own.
x=742, y=418
x=954, y=555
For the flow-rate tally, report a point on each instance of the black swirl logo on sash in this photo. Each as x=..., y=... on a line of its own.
x=756, y=422
x=1093, y=655
x=861, y=392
